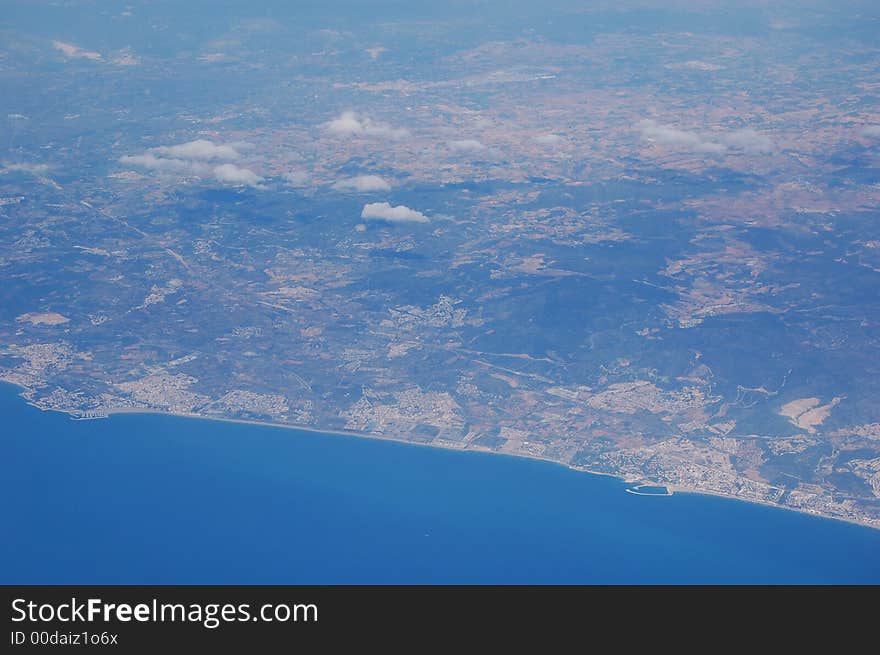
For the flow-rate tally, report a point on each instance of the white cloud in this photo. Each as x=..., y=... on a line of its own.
x=749, y=140
x=872, y=131
x=671, y=136
x=466, y=145
x=350, y=123
x=694, y=64
x=232, y=174
x=33, y=169
x=198, y=158
x=297, y=178
x=125, y=57
x=548, y=139
x=199, y=149
x=363, y=184
x=75, y=52
x=171, y=164
x=746, y=139
x=347, y=123
x=383, y=211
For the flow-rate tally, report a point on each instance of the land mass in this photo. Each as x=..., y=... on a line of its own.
x=639, y=247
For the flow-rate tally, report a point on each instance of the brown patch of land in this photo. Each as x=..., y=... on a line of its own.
x=47, y=318
x=806, y=413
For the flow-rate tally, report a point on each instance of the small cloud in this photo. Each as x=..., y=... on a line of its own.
x=75, y=52
x=198, y=158
x=297, y=178
x=32, y=169
x=350, y=123
x=747, y=139
x=347, y=123
x=126, y=58
x=363, y=184
x=671, y=136
x=465, y=145
x=151, y=162
x=199, y=149
x=232, y=174
x=383, y=211
x=695, y=65
x=548, y=139
x=872, y=132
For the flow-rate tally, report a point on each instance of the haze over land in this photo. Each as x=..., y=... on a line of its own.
x=640, y=240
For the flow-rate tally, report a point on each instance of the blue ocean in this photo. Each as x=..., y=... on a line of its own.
x=162, y=499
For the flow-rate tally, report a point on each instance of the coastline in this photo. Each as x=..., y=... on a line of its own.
x=671, y=488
